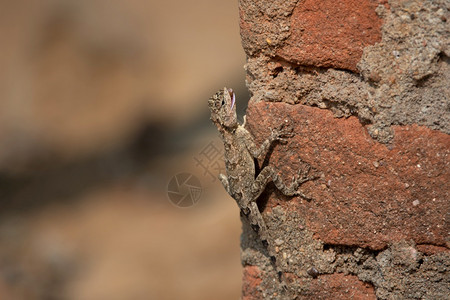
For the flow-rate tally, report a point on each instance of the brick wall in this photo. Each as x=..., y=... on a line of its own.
x=366, y=86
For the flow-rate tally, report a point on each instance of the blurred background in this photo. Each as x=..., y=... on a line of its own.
x=102, y=102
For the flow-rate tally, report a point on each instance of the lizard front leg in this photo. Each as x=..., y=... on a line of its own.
x=258, y=186
x=278, y=134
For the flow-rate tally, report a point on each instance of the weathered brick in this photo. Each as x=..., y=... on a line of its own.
x=370, y=194
x=331, y=33
x=251, y=280
x=338, y=287
x=379, y=209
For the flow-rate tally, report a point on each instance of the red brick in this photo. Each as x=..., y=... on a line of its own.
x=251, y=280
x=338, y=286
x=370, y=194
x=431, y=249
x=331, y=33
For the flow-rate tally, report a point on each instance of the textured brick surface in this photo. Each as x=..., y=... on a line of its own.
x=377, y=137
x=338, y=287
x=251, y=280
x=331, y=33
x=369, y=194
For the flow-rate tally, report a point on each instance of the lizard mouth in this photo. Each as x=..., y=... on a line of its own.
x=233, y=97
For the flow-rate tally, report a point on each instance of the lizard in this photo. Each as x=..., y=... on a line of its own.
x=241, y=181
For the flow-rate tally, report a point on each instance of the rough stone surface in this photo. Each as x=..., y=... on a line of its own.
x=251, y=280
x=264, y=25
x=371, y=116
x=409, y=68
x=331, y=33
x=340, y=287
x=369, y=194
x=404, y=78
x=370, y=199
x=399, y=271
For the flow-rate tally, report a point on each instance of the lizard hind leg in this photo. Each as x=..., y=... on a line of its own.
x=268, y=173
x=256, y=189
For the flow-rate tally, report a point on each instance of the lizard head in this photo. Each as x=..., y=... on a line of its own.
x=223, y=109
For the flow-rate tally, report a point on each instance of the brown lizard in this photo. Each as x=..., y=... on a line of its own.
x=241, y=180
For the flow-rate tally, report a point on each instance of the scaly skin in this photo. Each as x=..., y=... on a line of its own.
x=241, y=180
x=240, y=151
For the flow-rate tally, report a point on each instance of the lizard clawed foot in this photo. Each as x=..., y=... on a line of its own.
x=302, y=177
x=283, y=132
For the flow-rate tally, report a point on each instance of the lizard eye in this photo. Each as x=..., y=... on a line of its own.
x=223, y=102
